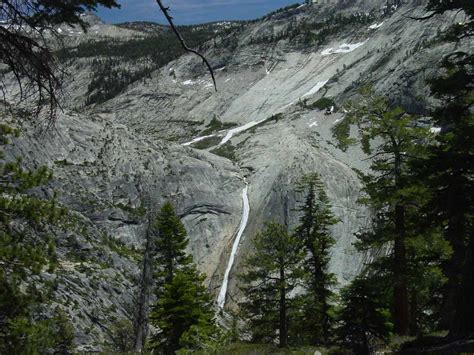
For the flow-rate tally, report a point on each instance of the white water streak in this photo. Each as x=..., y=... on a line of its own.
x=195, y=140
x=235, y=246
x=233, y=131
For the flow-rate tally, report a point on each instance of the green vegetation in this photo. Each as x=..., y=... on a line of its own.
x=121, y=336
x=448, y=168
x=274, y=270
x=363, y=316
x=207, y=142
x=313, y=230
x=283, y=261
x=397, y=197
x=183, y=311
x=161, y=48
x=133, y=211
x=306, y=33
x=117, y=63
x=121, y=248
x=216, y=125
x=24, y=253
x=226, y=150
x=322, y=104
x=109, y=79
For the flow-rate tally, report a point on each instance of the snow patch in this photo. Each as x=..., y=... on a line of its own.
x=314, y=124
x=316, y=88
x=343, y=48
x=435, y=130
x=188, y=82
x=198, y=139
x=233, y=131
x=375, y=26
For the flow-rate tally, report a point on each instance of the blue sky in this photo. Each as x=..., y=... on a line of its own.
x=192, y=11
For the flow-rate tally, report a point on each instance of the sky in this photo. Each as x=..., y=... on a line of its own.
x=187, y=12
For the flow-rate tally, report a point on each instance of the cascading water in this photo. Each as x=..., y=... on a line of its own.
x=235, y=246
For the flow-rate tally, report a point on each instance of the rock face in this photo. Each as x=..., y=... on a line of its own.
x=116, y=160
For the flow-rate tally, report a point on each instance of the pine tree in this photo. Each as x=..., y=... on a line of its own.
x=274, y=270
x=25, y=250
x=170, y=246
x=449, y=167
x=183, y=311
x=314, y=232
x=363, y=316
x=392, y=192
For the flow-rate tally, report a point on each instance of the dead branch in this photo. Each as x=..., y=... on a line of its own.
x=165, y=11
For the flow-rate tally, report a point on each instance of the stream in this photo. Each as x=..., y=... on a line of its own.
x=243, y=223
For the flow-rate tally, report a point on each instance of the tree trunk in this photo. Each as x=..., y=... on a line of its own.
x=401, y=303
x=463, y=324
x=453, y=271
x=146, y=282
x=283, y=321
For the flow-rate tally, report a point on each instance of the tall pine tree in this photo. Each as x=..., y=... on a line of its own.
x=183, y=311
x=273, y=271
x=170, y=245
x=393, y=140
x=449, y=167
x=314, y=232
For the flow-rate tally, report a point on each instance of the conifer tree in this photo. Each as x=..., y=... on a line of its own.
x=363, y=316
x=449, y=166
x=170, y=246
x=314, y=231
x=183, y=311
x=274, y=270
x=25, y=250
x=392, y=193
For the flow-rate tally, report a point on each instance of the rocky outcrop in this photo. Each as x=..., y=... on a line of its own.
x=115, y=161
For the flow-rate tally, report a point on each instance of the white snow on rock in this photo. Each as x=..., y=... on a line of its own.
x=195, y=140
x=188, y=82
x=314, y=124
x=235, y=246
x=375, y=26
x=233, y=131
x=435, y=130
x=343, y=48
x=316, y=88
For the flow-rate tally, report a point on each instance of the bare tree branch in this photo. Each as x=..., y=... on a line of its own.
x=165, y=11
